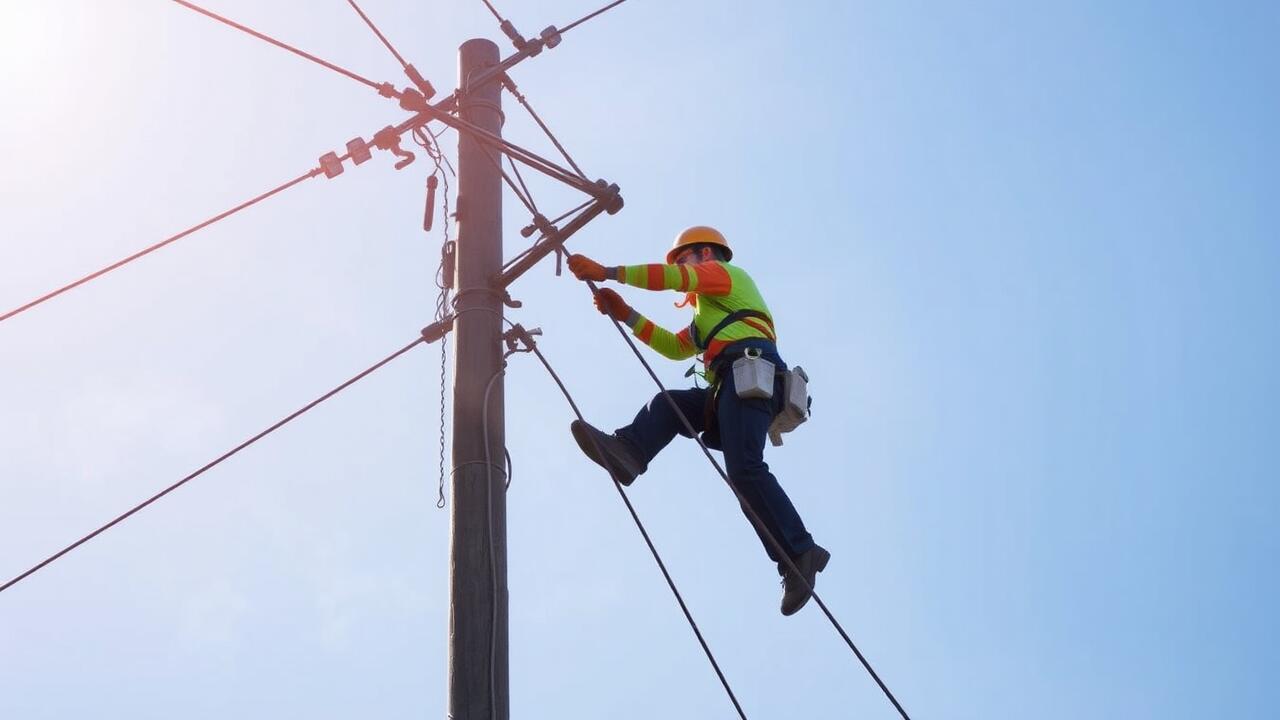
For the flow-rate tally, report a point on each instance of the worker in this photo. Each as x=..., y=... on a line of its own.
x=730, y=321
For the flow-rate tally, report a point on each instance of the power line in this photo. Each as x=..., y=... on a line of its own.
x=173, y=238
x=279, y=44
x=751, y=513
x=493, y=10
x=706, y=649
x=516, y=169
x=511, y=86
x=378, y=32
x=525, y=200
x=583, y=19
x=216, y=461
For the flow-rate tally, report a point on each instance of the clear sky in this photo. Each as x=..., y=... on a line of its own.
x=1028, y=253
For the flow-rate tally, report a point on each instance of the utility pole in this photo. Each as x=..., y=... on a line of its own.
x=478, y=678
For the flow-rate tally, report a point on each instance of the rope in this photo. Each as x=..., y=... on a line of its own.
x=277, y=43
x=581, y=20
x=211, y=464
x=751, y=514
x=378, y=32
x=648, y=541
x=173, y=238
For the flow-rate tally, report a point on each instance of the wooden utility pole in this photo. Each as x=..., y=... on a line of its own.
x=478, y=679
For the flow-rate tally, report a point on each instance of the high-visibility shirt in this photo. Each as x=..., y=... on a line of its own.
x=717, y=289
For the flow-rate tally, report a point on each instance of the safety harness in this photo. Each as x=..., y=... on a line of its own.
x=703, y=343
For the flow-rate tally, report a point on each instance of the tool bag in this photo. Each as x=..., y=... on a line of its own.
x=754, y=378
x=796, y=404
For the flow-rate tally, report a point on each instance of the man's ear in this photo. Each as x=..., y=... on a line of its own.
x=708, y=254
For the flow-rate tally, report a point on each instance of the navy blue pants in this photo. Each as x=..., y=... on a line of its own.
x=742, y=428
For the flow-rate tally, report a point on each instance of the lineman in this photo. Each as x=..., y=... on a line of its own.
x=730, y=320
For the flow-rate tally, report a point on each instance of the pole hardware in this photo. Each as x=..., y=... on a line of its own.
x=448, y=261
x=510, y=301
x=610, y=195
x=437, y=329
x=388, y=139
x=424, y=86
x=429, y=210
x=518, y=339
x=540, y=224
x=331, y=165
x=358, y=150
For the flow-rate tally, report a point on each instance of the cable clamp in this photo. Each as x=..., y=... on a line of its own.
x=414, y=101
x=448, y=261
x=518, y=335
x=495, y=293
x=424, y=86
x=388, y=139
x=514, y=35
x=437, y=329
x=540, y=224
x=608, y=194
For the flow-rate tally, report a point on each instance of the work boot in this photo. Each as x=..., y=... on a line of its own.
x=619, y=459
x=794, y=592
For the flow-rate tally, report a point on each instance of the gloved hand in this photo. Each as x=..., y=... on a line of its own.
x=611, y=303
x=584, y=268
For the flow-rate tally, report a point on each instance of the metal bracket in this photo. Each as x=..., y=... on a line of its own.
x=437, y=329
x=388, y=139
x=517, y=335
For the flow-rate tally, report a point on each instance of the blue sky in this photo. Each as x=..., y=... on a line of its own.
x=1028, y=253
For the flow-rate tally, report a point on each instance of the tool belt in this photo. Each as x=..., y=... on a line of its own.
x=756, y=378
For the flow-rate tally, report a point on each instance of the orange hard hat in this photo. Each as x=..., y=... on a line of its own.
x=699, y=235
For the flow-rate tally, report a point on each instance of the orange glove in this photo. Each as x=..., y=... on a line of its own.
x=584, y=268
x=611, y=303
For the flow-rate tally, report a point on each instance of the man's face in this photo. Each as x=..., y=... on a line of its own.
x=691, y=255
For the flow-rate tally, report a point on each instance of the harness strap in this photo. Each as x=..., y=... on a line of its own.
x=703, y=343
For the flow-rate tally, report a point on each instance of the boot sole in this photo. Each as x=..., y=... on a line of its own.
x=823, y=559
x=582, y=435
x=822, y=564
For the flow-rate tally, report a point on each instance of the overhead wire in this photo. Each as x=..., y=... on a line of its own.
x=752, y=515
x=516, y=169
x=280, y=44
x=539, y=242
x=531, y=159
x=653, y=550
x=585, y=18
x=497, y=165
x=378, y=32
x=493, y=10
x=570, y=212
x=213, y=463
x=171, y=239
x=511, y=87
